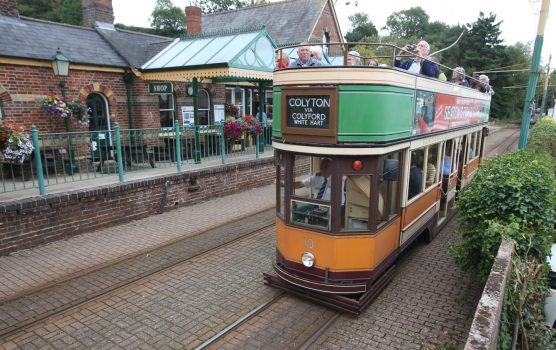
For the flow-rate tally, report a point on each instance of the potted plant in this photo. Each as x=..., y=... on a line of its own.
x=58, y=106
x=15, y=146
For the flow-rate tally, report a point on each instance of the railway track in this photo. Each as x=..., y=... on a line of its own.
x=79, y=290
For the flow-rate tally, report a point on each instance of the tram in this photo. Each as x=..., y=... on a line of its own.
x=394, y=148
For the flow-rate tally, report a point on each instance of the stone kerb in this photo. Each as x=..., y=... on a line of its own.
x=486, y=323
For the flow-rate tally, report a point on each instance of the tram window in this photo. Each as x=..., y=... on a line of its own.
x=388, y=202
x=432, y=165
x=471, y=147
x=416, y=173
x=312, y=177
x=310, y=214
x=448, y=158
x=281, y=190
x=357, y=198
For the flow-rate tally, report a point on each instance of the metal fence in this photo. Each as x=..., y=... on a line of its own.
x=76, y=156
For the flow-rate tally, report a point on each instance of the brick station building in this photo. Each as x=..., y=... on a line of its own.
x=105, y=63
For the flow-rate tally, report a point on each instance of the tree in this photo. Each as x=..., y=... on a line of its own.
x=361, y=27
x=167, y=19
x=211, y=6
x=408, y=23
x=62, y=11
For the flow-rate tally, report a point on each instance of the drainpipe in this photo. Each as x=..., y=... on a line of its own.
x=128, y=79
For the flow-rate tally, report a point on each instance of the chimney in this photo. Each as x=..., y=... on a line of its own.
x=96, y=11
x=193, y=20
x=8, y=8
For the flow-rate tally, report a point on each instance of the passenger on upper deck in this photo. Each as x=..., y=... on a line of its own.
x=316, y=53
x=458, y=77
x=418, y=65
x=282, y=61
x=484, y=85
x=354, y=58
x=304, y=58
x=373, y=62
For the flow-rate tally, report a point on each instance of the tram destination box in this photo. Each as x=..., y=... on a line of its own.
x=310, y=114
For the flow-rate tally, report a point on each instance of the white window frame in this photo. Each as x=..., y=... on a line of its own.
x=208, y=109
x=172, y=109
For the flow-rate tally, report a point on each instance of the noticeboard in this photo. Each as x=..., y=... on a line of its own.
x=310, y=114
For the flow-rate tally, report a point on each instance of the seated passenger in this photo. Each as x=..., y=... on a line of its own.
x=373, y=62
x=304, y=58
x=282, y=61
x=415, y=181
x=316, y=53
x=458, y=77
x=446, y=165
x=421, y=64
x=484, y=85
x=354, y=58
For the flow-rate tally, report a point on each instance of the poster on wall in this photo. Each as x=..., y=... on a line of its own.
x=218, y=113
x=187, y=116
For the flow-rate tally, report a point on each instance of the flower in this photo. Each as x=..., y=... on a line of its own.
x=230, y=110
x=234, y=128
x=59, y=107
x=15, y=145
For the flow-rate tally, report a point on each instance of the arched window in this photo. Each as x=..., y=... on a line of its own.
x=203, y=100
x=1, y=111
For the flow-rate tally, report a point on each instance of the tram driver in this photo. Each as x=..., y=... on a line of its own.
x=319, y=182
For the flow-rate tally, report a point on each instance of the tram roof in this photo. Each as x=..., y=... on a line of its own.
x=246, y=55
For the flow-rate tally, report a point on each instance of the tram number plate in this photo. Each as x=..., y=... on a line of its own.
x=312, y=112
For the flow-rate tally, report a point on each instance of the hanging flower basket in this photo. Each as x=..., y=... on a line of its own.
x=59, y=107
x=15, y=146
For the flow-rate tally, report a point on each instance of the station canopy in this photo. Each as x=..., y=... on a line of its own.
x=240, y=56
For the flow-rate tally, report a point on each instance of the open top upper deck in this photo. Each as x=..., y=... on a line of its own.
x=339, y=104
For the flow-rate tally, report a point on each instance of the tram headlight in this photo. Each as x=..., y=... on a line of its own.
x=308, y=259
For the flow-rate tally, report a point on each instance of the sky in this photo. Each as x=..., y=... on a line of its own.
x=520, y=18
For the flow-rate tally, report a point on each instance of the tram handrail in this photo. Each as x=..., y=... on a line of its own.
x=395, y=53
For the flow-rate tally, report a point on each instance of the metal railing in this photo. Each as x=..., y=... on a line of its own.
x=118, y=152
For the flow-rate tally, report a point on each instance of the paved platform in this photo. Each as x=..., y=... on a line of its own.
x=29, y=269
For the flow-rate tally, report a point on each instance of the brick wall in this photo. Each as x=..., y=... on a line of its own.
x=326, y=23
x=31, y=222
x=8, y=8
x=97, y=10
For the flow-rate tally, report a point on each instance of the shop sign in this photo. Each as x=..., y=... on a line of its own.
x=161, y=88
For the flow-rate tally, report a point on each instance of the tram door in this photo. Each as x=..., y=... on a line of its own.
x=447, y=170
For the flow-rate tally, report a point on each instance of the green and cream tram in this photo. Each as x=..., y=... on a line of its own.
x=399, y=146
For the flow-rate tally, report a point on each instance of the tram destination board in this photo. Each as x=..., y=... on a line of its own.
x=309, y=114
x=308, y=111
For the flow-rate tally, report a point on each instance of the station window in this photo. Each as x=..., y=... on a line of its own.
x=416, y=179
x=236, y=96
x=388, y=187
x=166, y=107
x=203, y=105
x=1, y=111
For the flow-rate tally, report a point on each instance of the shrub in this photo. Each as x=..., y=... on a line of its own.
x=511, y=196
x=543, y=136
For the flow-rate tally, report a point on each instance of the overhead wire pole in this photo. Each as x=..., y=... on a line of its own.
x=533, y=75
x=546, y=79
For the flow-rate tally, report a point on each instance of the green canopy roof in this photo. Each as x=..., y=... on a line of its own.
x=246, y=55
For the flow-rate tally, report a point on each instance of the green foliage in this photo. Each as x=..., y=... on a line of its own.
x=167, y=19
x=522, y=320
x=542, y=137
x=408, y=23
x=61, y=11
x=512, y=196
x=211, y=6
x=361, y=27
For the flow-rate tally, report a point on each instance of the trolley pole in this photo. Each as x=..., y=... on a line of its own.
x=546, y=79
x=533, y=75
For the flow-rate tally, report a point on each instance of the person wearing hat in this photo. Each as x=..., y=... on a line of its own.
x=420, y=64
x=354, y=58
x=458, y=77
